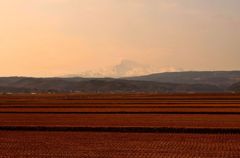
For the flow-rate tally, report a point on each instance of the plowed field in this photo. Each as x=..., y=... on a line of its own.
x=120, y=125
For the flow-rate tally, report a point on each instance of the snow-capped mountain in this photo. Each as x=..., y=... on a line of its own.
x=126, y=68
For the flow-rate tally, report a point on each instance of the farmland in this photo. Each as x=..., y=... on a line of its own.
x=120, y=125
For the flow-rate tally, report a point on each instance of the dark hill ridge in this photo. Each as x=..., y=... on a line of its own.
x=21, y=84
x=222, y=79
x=172, y=82
x=235, y=87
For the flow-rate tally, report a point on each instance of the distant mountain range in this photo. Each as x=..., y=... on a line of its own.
x=172, y=82
x=222, y=79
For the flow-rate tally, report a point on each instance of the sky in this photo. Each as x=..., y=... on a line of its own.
x=59, y=37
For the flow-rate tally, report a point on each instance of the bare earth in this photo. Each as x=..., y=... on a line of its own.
x=116, y=145
x=48, y=122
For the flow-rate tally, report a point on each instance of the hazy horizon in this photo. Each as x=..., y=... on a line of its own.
x=49, y=38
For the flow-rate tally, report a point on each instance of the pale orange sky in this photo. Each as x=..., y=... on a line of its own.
x=58, y=37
